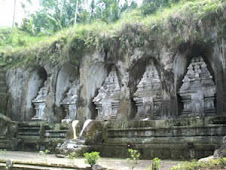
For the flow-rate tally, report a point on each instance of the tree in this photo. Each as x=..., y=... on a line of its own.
x=111, y=10
x=14, y=14
x=57, y=14
x=76, y=13
x=151, y=6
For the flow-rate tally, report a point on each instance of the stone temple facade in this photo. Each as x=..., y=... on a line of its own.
x=198, y=90
x=148, y=96
x=107, y=100
x=170, y=105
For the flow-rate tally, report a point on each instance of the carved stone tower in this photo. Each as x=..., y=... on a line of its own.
x=198, y=90
x=148, y=96
x=107, y=100
x=40, y=103
x=70, y=103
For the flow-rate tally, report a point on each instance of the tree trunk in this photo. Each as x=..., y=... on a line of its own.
x=76, y=13
x=14, y=14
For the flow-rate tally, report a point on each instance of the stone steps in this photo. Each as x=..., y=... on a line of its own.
x=39, y=135
x=2, y=82
x=28, y=128
x=55, y=133
x=217, y=130
x=2, y=74
x=21, y=134
x=3, y=91
x=33, y=167
x=5, y=143
x=27, y=131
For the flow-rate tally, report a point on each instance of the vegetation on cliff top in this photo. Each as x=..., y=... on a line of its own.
x=188, y=20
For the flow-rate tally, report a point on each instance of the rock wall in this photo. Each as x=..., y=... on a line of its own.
x=24, y=83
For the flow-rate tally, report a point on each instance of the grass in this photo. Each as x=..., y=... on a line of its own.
x=172, y=26
x=219, y=163
x=17, y=39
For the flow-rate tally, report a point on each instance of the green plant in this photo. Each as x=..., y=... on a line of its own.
x=44, y=154
x=3, y=151
x=73, y=155
x=155, y=164
x=193, y=165
x=91, y=158
x=21, y=42
x=134, y=156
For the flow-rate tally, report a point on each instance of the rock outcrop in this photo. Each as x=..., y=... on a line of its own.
x=221, y=152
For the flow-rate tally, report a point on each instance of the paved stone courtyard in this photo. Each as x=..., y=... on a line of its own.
x=37, y=161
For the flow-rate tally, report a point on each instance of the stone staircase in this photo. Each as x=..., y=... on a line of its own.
x=8, y=130
x=30, y=132
x=3, y=91
x=39, y=136
x=5, y=143
x=56, y=134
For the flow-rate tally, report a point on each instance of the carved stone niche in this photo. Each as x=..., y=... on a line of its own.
x=70, y=103
x=107, y=100
x=198, y=90
x=40, y=103
x=148, y=96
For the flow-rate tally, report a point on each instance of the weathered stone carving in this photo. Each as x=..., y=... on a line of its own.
x=107, y=100
x=221, y=152
x=40, y=103
x=70, y=103
x=148, y=96
x=198, y=89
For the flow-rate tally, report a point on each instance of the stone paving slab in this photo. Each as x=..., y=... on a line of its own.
x=51, y=162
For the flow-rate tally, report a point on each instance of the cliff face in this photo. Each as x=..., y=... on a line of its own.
x=129, y=53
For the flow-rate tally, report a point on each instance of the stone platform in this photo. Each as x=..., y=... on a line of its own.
x=34, y=161
x=181, y=138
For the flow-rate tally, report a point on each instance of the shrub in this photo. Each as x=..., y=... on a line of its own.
x=155, y=164
x=73, y=155
x=193, y=165
x=91, y=158
x=134, y=157
x=44, y=152
x=3, y=151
